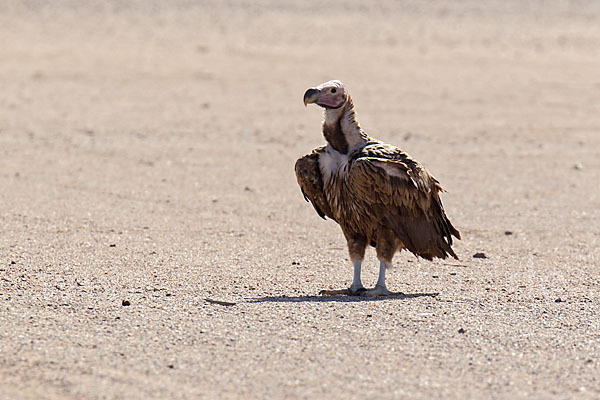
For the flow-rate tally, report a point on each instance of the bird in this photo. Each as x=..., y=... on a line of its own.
x=378, y=194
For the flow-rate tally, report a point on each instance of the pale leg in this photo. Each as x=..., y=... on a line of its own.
x=355, y=289
x=356, y=282
x=356, y=249
x=381, y=280
x=380, y=289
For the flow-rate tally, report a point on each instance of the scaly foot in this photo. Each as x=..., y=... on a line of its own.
x=380, y=291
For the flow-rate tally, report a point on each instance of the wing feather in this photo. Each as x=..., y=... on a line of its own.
x=404, y=196
x=310, y=180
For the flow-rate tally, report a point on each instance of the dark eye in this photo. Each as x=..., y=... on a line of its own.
x=333, y=90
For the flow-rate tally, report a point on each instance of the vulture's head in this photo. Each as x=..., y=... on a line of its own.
x=329, y=95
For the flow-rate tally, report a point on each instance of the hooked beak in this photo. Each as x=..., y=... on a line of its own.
x=311, y=96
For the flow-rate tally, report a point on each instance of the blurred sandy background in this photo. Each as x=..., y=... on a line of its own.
x=147, y=152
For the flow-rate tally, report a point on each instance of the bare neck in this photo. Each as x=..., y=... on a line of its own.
x=341, y=130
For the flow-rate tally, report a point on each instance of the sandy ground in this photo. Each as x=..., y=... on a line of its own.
x=147, y=152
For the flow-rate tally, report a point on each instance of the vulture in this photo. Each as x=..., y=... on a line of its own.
x=376, y=192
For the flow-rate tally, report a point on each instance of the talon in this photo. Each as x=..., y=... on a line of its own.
x=356, y=292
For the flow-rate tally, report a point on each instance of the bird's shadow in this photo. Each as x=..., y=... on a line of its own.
x=337, y=299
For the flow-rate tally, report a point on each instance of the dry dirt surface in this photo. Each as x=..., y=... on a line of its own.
x=146, y=164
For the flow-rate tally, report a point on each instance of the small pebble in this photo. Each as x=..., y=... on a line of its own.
x=479, y=255
x=125, y=303
x=461, y=330
x=578, y=166
x=508, y=233
x=559, y=300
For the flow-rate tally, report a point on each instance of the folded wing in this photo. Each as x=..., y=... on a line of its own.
x=403, y=197
x=310, y=180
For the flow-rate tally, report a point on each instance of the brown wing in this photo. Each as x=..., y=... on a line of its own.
x=310, y=180
x=403, y=197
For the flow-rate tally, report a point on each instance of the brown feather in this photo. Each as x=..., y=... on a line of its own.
x=309, y=178
x=404, y=197
x=376, y=192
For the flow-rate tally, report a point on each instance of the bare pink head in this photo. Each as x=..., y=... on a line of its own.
x=330, y=94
